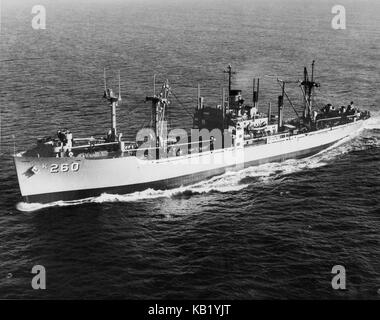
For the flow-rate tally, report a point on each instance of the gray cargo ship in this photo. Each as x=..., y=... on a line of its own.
x=229, y=136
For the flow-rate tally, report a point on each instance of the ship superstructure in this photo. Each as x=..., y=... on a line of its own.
x=230, y=136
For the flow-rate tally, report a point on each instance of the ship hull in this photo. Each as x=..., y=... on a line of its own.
x=163, y=184
x=42, y=180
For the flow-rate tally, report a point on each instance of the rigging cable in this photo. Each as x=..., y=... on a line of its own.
x=182, y=105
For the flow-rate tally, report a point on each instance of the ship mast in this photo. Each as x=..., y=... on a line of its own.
x=307, y=87
x=230, y=73
x=114, y=101
x=159, y=107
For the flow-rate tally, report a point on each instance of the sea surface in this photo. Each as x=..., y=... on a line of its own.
x=268, y=232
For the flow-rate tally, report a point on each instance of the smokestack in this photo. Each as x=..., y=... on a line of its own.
x=280, y=106
x=199, y=97
x=255, y=97
x=257, y=93
x=269, y=112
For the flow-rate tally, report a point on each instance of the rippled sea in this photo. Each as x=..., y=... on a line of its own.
x=273, y=231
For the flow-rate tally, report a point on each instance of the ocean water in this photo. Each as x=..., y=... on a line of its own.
x=273, y=231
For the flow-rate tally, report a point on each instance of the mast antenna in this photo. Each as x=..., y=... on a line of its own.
x=154, y=85
x=254, y=92
x=119, y=98
x=105, y=79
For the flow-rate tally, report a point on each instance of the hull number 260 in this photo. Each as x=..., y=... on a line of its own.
x=64, y=167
